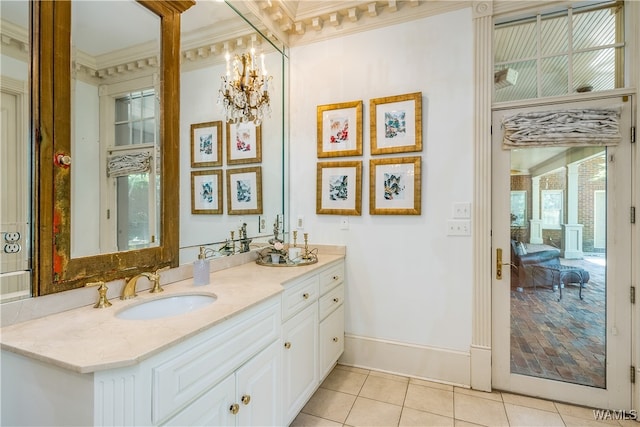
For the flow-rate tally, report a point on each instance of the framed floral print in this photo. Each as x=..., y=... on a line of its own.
x=244, y=143
x=339, y=188
x=206, y=192
x=244, y=191
x=396, y=124
x=340, y=129
x=206, y=144
x=395, y=186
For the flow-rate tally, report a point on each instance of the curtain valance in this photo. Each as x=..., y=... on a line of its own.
x=577, y=127
x=128, y=164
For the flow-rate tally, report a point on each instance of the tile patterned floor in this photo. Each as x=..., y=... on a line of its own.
x=561, y=340
x=358, y=397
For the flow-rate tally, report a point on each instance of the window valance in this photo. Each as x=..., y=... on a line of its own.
x=128, y=164
x=578, y=127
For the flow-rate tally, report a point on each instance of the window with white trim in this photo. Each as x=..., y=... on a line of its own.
x=552, y=208
x=133, y=169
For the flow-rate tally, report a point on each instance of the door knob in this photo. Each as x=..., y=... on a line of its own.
x=234, y=408
x=287, y=345
x=246, y=399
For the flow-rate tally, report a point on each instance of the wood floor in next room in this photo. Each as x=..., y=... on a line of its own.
x=358, y=397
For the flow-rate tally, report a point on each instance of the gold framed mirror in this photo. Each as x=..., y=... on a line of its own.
x=55, y=268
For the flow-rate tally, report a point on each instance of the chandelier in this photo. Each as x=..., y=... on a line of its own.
x=244, y=95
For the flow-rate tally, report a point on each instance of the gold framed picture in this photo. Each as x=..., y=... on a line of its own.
x=244, y=143
x=244, y=191
x=395, y=186
x=340, y=129
x=206, y=144
x=339, y=188
x=396, y=124
x=206, y=192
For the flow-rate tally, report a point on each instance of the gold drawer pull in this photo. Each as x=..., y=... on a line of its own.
x=336, y=300
x=234, y=408
x=335, y=339
x=305, y=295
x=287, y=345
x=336, y=277
x=246, y=399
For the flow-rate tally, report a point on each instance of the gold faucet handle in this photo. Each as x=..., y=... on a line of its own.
x=103, y=302
x=155, y=279
x=163, y=269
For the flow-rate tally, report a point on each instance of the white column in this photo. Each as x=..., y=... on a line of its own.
x=535, y=229
x=572, y=231
x=483, y=83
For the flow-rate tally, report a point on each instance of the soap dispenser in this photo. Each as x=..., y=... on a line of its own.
x=201, y=269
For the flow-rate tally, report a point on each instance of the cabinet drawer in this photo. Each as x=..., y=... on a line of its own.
x=331, y=340
x=331, y=301
x=331, y=277
x=298, y=296
x=181, y=379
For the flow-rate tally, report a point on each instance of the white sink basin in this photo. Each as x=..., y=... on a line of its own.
x=166, y=307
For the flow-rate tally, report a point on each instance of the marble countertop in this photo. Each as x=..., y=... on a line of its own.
x=87, y=339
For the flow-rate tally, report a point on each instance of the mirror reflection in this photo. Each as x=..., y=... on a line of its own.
x=15, y=274
x=115, y=190
x=212, y=35
x=115, y=144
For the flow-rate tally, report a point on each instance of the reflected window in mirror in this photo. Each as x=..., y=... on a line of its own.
x=115, y=182
x=15, y=217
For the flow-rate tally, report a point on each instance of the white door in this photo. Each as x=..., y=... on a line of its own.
x=552, y=337
x=15, y=277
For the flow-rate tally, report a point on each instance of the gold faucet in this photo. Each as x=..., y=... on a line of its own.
x=129, y=290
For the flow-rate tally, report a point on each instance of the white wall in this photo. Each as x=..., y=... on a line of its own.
x=408, y=283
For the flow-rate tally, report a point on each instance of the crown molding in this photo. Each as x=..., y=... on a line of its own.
x=304, y=22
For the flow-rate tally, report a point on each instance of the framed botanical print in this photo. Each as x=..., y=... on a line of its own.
x=340, y=129
x=339, y=188
x=244, y=143
x=396, y=124
x=244, y=191
x=206, y=144
x=206, y=192
x=395, y=186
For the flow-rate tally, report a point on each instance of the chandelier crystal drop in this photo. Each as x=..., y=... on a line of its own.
x=244, y=94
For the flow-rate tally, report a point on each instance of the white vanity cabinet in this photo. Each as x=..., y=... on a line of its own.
x=245, y=398
x=313, y=334
x=229, y=374
x=254, y=357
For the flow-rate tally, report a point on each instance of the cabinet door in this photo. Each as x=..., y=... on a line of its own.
x=300, y=360
x=258, y=389
x=331, y=340
x=211, y=409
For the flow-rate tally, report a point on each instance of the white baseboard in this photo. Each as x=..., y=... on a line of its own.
x=434, y=364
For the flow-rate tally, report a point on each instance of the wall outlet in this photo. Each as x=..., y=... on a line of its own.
x=458, y=227
x=462, y=210
x=12, y=248
x=262, y=224
x=300, y=222
x=11, y=236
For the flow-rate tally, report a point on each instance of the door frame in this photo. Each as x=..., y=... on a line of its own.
x=617, y=395
x=482, y=16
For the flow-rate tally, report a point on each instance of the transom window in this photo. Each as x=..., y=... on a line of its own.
x=580, y=49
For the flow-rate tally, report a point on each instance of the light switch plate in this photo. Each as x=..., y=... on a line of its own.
x=462, y=210
x=458, y=227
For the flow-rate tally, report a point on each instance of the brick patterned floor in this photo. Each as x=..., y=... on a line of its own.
x=561, y=340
